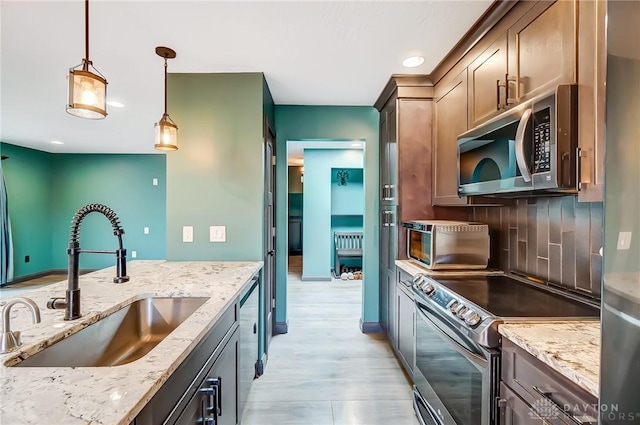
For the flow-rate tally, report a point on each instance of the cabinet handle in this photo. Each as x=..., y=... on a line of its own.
x=507, y=100
x=214, y=400
x=498, y=103
x=255, y=328
x=546, y=395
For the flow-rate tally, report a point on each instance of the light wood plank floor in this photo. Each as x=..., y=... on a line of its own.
x=16, y=289
x=325, y=371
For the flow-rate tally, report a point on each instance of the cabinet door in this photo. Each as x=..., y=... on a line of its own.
x=542, y=49
x=384, y=167
x=392, y=155
x=392, y=306
x=450, y=121
x=515, y=411
x=406, y=320
x=592, y=63
x=487, y=83
x=217, y=395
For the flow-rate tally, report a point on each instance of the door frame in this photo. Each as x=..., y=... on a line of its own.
x=269, y=238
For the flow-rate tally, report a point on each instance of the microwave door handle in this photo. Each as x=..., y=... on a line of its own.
x=520, y=159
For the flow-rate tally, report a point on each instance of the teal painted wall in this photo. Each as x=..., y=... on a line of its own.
x=124, y=183
x=331, y=122
x=27, y=175
x=216, y=176
x=45, y=190
x=317, y=238
x=347, y=208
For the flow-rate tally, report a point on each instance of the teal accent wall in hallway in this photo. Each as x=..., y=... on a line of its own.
x=215, y=178
x=320, y=182
x=27, y=175
x=347, y=208
x=46, y=189
x=326, y=123
x=124, y=183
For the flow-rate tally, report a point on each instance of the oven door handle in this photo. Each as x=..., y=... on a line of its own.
x=472, y=357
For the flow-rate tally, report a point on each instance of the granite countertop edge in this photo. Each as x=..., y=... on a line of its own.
x=570, y=348
x=112, y=395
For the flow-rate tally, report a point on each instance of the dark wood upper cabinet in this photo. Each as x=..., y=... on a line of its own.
x=487, y=83
x=450, y=121
x=543, y=49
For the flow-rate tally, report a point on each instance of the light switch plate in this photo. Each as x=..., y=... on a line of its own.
x=187, y=233
x=155, y=182
x=624, y=240
x=146, y=230
x=134, y=254
x=217, y=233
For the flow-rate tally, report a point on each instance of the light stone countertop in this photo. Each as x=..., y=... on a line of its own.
x=570, y=348
x=112, y=395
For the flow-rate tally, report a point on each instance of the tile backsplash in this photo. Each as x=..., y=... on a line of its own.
x=555, y=239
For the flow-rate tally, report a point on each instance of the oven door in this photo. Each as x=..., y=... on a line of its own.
x=456, y=379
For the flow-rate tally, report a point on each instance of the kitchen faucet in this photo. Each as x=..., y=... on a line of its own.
x=71, y=303
x=11, y=340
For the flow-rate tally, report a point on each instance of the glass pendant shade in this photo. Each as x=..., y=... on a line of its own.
x=166, y=136
x=87, y=94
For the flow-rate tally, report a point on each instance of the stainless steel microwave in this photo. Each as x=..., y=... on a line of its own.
x=527, y=149
x=443, y=244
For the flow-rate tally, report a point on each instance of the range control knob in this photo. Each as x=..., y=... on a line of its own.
x=428, y=289
x=461, y=310
x=453, y=305
x=418, y=279
x=471, y=318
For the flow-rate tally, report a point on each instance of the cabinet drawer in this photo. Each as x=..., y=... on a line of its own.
x=540, y=385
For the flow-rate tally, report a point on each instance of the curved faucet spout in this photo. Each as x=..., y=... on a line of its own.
x=72, y=301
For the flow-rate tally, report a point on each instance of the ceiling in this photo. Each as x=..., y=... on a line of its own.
x=312, y=53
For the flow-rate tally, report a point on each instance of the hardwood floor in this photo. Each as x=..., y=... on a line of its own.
x=16, y=289
x=325, y=371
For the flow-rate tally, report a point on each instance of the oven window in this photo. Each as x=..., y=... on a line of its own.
x=420, y=246
x=455, y=380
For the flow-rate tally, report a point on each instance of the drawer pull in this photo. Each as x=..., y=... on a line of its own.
x=582, y=420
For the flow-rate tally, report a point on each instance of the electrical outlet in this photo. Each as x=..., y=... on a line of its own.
x=155, y=182
x=27, y=258
x=217, y=233
x=134, y=254
x=146, y=230
x=187, y=233
x=624, y=240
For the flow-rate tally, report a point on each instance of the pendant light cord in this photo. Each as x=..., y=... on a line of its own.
x=165, y=85
x=86, y=32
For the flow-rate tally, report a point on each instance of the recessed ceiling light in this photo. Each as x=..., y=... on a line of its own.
x=115, y=104
x=413, y=61
x=57, y=142
x=356, y=145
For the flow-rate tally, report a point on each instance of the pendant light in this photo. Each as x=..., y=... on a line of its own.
x=87, y=87
x=166, y=130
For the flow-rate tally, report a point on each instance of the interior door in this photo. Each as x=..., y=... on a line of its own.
x=269, y=272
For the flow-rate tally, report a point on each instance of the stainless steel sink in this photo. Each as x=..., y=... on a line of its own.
x=122, y=337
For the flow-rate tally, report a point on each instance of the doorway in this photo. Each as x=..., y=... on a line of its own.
x=269, y=271
x=325, y=195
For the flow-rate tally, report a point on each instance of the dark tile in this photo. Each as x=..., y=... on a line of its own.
x=597, y=225
x=568, y=259
x=513, y=249
x=542, y=238
x=555, y=221
x=504, y=259
x=569, y=213
x=582, y=244
x=513, y=216
x=522, y=256
x=532, y=243
x=555, y=263
x=504, y=227
x=543, y=268
x=522, y=220
x=596, y=274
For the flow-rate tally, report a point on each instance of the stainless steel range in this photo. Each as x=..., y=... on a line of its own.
x=457, y=370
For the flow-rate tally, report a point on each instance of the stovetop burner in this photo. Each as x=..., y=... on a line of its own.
x=505, y=297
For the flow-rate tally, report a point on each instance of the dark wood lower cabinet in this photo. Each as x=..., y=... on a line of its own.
x=214, y=403
x=532, y=393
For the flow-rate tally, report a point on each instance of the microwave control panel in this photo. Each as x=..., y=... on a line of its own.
x=542, y=141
